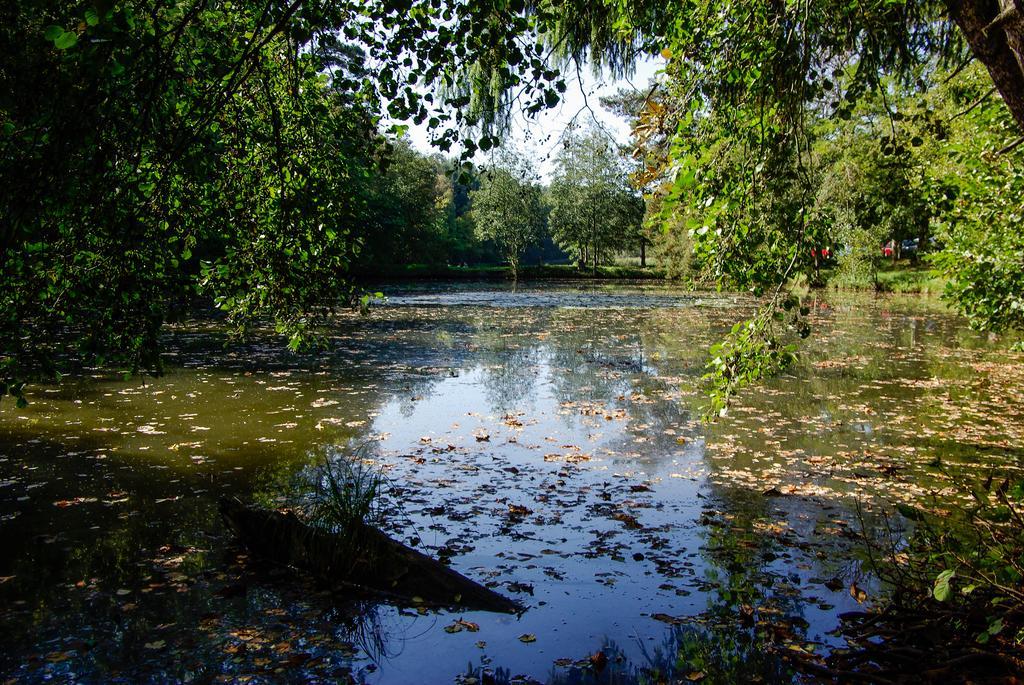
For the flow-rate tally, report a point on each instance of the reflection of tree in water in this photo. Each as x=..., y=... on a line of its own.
x=756, y=609
x=715, y=654
x=755, y=612
x=510, y=365
x=413, y=389
x=588, y=359
x=593, y=360
x=660, y=423
x=141, y=565
x=172, y=602
x=753, y=551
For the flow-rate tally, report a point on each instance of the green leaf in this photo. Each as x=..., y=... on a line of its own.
x=53, y=32
x=91, y=18
x=942, y=591
x=66, y=40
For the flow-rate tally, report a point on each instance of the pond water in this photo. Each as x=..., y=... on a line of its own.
x=545, y=441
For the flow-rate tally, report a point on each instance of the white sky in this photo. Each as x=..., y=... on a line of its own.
x=538, y=138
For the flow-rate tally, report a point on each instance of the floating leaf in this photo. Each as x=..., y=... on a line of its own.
x=469, y=625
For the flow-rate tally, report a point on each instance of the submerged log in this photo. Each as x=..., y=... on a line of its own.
x=363, y=557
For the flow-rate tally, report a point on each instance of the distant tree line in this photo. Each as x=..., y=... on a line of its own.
x=428, y=210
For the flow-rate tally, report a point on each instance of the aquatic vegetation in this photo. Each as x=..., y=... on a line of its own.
x=345, y=491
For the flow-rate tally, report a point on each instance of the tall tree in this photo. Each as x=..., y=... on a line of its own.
x=594, y=210
x=507, y=208
x=409, y=211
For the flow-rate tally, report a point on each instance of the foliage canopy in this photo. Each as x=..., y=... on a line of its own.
x=507, y=209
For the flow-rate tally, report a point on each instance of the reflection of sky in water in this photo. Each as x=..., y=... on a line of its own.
x=538, y=447
x=593, y=576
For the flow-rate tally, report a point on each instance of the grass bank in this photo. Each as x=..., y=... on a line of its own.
x=502, y=272
x=901, y=277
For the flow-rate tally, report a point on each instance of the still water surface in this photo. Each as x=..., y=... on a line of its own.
x=546, y=441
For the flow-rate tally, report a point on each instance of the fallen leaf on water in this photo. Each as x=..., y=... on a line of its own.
x=71, y=502
x=665, y=618
x=695, y=676
x=156, y=644
x=834, y=585
x=294, y=660
x=857, y=593
x=527, y=637
x=461, y=625
x=469, y=625
x=631, y=521
x=518, y=511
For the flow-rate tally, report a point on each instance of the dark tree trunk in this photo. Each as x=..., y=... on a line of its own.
x=995, y=31
x=643, y=253
x=366, y=559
